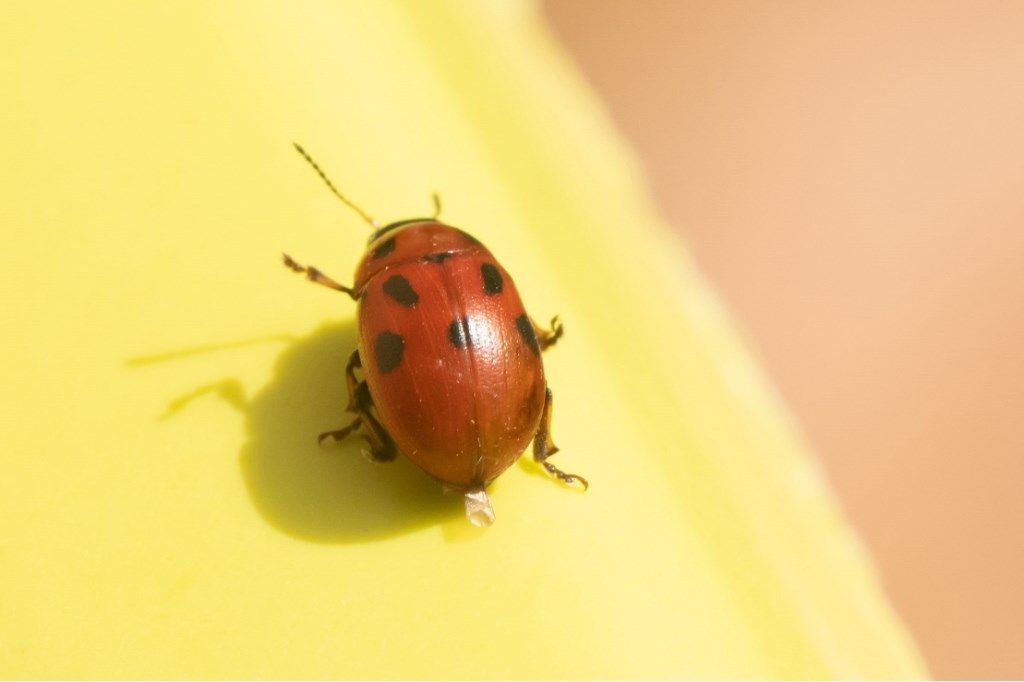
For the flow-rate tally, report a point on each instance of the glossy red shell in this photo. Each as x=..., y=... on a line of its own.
x=452, y=364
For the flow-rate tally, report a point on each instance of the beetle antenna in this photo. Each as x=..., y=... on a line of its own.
x=330, y=185
x=437, y=205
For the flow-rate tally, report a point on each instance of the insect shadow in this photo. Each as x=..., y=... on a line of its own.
x=329, y=494
x=332, y=493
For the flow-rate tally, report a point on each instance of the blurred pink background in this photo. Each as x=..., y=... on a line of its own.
x=851, y=178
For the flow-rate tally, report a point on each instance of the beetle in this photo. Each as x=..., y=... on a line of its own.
x=453, y=375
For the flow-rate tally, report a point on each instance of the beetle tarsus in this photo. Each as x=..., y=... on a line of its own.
x=314, y=275
x=548, y=337
x=339, y=435
x=568, y=479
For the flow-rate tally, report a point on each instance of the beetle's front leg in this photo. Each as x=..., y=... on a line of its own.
x=382, y=448
x=544, y=446
x=314, y=275
x=548, y=337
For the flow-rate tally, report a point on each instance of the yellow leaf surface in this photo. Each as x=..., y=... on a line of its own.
x=166, y=510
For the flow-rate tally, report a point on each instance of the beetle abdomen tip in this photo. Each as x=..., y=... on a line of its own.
x=478, y=508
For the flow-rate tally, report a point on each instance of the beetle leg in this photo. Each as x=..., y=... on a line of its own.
x=314, y=275
x=340, y=434
x=544, y=446
x=382, y=448
x=548, y=337
x=358, y=392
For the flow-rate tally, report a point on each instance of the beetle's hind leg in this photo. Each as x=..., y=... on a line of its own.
x=548, y=337
x=339, y=435
x=382, y=448
x=544, y=446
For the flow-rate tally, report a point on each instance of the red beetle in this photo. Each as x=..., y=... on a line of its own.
x=452, y=362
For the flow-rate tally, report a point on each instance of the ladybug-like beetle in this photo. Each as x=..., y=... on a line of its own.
x=452, y=362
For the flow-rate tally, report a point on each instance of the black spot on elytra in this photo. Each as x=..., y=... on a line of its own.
x=399, y=289
x=384, y=249
x=458, y=332
x=387, y=350
x=439, y=257
x=492, y=279
x=525, y=328
x=470, y=238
